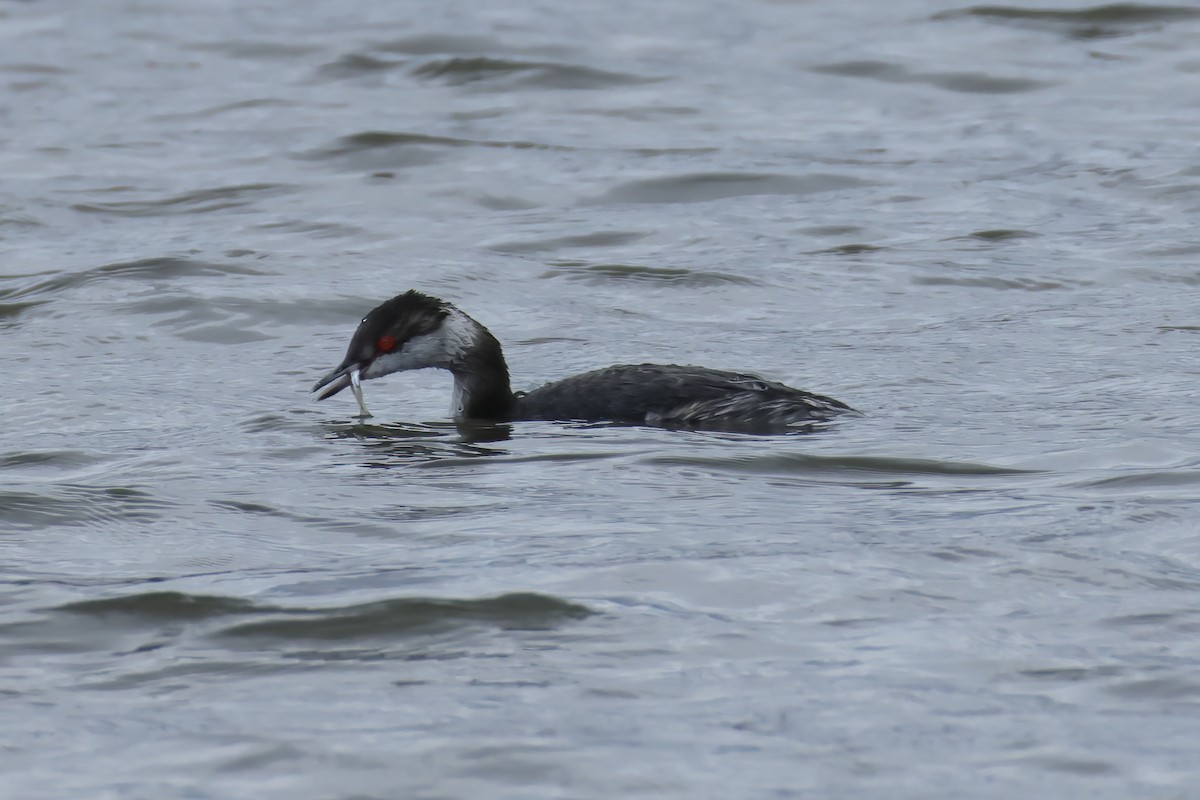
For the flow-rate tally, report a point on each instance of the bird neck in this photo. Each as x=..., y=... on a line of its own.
x=481, y=385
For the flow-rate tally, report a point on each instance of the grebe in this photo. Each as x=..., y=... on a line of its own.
x=414, y=331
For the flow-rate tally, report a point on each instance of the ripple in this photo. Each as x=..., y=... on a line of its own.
x=371, y=140
x=374, y=150
x=331, y=524
x=831, y=230
x=958, y=553
x=534, y=74
x=385, y=446
x=403, y=615
x=653, y=113
x=251, y=508
x=143, y=269
x=702, y=187
x=1000, y=235
x=654, y=152
x=201, y=201
x=18, y=219
x=251, y=49
x=356, y=65
x=1071, y=674
x=515, y=611
x=1094, y=22
x=851, y=249
x=381, y=432
x=541, y=458
x=971, y=82
x=144, y=622
x=34, y=69
x=803, y=464
x=316, y=229
x=79, y=505
x=1169, y=689
x=1070, y=764
x=991, y=282
x=161, y=606
x=1143, y=481
x=10, y=311
x=225, y=108
x=453, y=44
x=638, y=273
x=579, y=240
x=59, y=459
x=1185, y=249
x=46, y=75
x=229, y=319
x=296, y=420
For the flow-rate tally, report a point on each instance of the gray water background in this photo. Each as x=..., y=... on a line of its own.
x=975, y=225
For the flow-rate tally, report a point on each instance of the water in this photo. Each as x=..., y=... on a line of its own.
x=976, y=225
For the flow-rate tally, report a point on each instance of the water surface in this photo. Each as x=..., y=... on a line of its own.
x=976, y=224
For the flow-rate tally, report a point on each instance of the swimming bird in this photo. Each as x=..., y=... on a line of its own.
x=415, y=331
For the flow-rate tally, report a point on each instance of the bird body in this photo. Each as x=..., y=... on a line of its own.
x=669, y=394
x=414, y=331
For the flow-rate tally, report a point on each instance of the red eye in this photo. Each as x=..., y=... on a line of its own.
x=385, y=344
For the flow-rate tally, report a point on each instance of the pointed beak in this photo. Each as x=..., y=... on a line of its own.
x=337, y=380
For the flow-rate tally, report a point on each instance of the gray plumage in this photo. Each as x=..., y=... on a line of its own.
x=414, y=331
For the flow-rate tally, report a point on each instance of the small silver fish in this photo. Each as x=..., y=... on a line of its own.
x=356, y=387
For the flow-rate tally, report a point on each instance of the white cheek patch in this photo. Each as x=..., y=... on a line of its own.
x=441, y=348
x=415, y=354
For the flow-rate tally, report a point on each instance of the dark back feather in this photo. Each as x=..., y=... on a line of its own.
x=677, y=395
